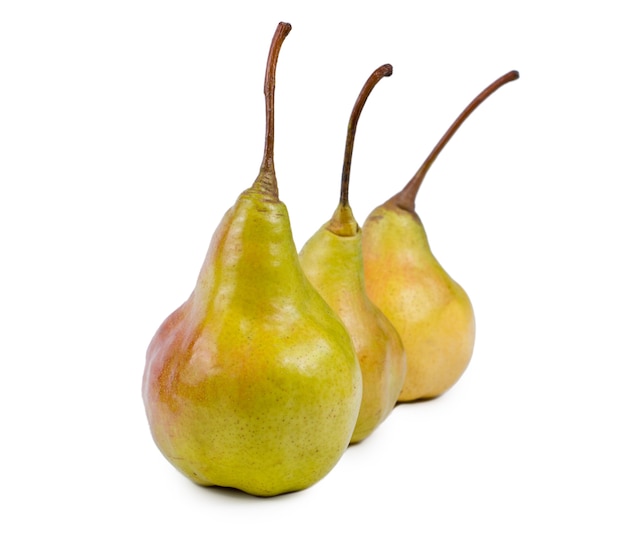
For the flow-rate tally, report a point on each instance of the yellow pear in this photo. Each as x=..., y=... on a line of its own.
x=333, y=262
x=431, y=311
x=253, y=383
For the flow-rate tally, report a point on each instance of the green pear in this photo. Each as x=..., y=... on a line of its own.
x=333, y=262
x=431, y=311
x=253, y=383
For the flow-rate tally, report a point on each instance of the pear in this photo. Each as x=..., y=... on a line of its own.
x=253, y=383
x=431, y=311
x=333, y=262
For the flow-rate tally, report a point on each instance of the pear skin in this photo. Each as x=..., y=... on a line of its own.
x=332, y=260
x=253, y=383
x=334, y=265
x=431, y=312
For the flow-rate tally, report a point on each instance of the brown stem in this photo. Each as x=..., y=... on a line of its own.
x=406, y=197
x=377, y=75
x=281, y=33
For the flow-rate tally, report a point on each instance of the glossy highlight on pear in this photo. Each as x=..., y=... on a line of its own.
x=430, y=310
x=253, y=382
x=332, y=260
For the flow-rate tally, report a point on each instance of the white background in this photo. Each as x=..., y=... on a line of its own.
x=127, y=128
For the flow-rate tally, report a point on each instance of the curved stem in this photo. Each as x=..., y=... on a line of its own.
x=281, y=33
x=406, y=197
x=377, y=75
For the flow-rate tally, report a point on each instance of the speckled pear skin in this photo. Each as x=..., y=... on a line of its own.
x=253, y=383
x=333, y=262
x=431, y=312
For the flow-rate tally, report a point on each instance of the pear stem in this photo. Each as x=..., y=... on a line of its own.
x=377, y=75
x=267, y=165
x=406, y=197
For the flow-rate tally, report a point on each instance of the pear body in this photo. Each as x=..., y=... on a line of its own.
x=253, y=383
x=334, y=264
x=431, y=312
